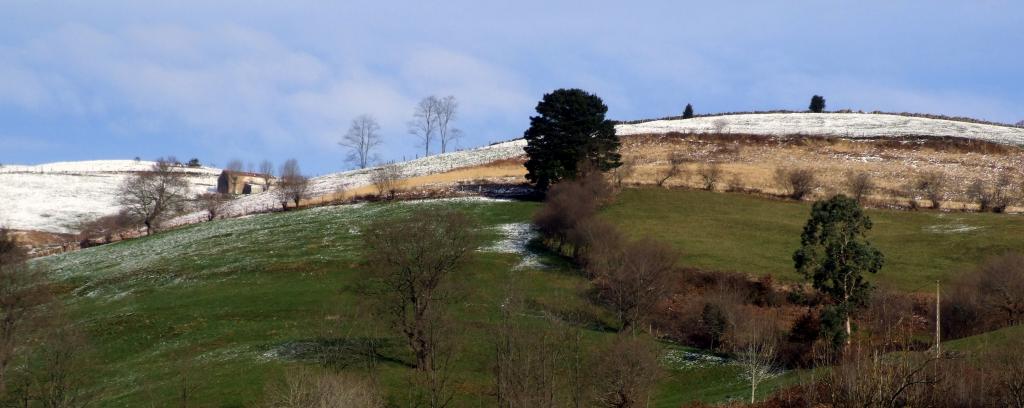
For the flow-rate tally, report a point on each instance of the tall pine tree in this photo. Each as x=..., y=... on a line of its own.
x=570, y=130
x=688, y=112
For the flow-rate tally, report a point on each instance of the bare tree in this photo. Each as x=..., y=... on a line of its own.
x=674, y=169
x=424, y=123
x=1000, y=284
x=797, y=183
x=211, y=203
x=533, y=363
x=385, y=179
x=63, y=370
x=994, y=196
x=21, y=293
x=710, y=173
x=234, y=165
x=626, y=372
x=266, y=167
x=362, y=137
x=152, y=195
x=859, y=185
x=293, y=185
x=633, y=279
x=445, y=110
x=932, y=184
x=623, y=172
x=414, y=257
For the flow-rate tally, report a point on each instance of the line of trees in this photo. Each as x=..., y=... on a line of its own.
x=433, y=123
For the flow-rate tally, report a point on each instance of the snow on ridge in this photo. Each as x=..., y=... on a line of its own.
x=850, y=125
x=353, y=179
x=55, y=197
x=98, y=166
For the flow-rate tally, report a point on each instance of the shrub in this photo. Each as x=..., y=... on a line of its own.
x=674, y=169
x=797, y=183
x=302, y=388
x=710, y=174
x=992, y=196
x=568, y=204
x=626, y=373
x=859, y=185
x=987, y=298
x=932, y=185
x=633, y=278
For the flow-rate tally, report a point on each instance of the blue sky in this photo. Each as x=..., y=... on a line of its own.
x=261, y=80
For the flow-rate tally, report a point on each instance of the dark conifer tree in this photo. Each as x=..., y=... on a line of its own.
x=570, y=130
x=688, y=112
x=817, y=104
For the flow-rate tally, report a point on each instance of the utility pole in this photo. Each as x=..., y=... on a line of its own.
x=938, y=322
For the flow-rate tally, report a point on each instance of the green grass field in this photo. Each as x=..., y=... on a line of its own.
x=757, y=236
x=221, y=304
x=225, y=304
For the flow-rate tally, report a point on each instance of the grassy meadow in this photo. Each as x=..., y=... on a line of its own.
x=224, y=307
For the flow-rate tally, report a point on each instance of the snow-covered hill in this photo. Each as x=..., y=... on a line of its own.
x=55, y=197
x=349, y=180
x=851, y=125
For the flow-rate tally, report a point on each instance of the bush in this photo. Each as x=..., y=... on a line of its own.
x=568, y=204
x=992, y=196
x=633, y=278
x=859, y=185
x=626, y=373
x=302, y=388
x=710, y=174
x=797, y=183
x=932, y=185
x=988, y=298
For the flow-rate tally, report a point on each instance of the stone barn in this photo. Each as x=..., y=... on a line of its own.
x=240, y=182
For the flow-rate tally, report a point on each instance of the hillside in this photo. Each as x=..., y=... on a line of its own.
x=56, y=197
x=757, y=236
x=229, y=304
x=846, y=125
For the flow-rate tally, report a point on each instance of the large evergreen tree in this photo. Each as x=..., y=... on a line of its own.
x=688, y=112
x=835, y=255
x=569, y=131
x=817, y=104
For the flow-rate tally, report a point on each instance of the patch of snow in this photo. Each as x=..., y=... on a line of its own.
x=848, y=125
x=55, y=197
x=682, y=359
x=951, y=228
x=515, y=239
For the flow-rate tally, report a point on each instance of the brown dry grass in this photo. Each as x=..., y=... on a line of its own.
x=501, y=171
x=892, y=164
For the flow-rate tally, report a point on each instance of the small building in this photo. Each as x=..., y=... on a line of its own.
x=240, y=182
